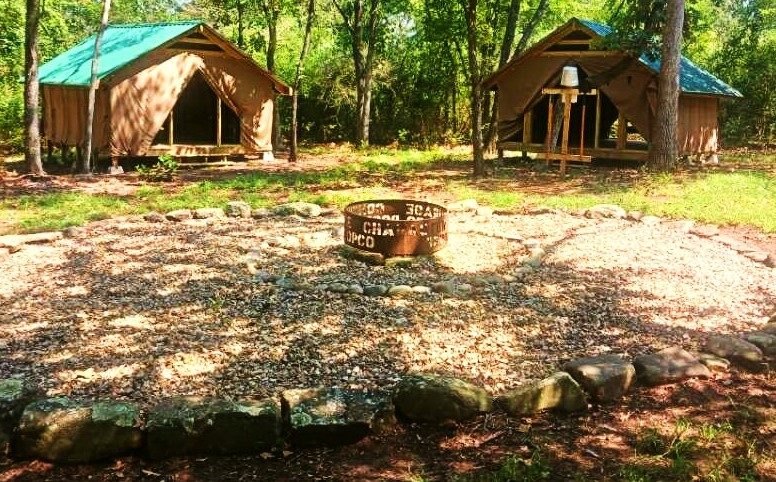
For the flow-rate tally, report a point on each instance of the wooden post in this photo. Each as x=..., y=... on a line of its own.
x=597, y=120
x=550, y=110
x=622, y=131
x=218, y=121
x=582, y=131
x=566, y=122
x=170, y=140
x=527, y=134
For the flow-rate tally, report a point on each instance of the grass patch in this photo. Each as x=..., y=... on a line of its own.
x=515, y=469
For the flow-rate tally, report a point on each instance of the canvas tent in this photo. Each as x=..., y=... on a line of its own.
x=177, y=88
x=617, y=120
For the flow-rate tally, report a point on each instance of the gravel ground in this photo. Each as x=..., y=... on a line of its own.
x=138, y=310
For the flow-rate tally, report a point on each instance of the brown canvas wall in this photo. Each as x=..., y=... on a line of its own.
x=141, y=102
x=64, y=115
x=698, y=129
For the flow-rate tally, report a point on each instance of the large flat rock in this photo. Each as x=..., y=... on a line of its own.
x=557, y=392
x=332, y=416
x=194, y=425
x=670, y=365
x=737, y=350
x=605, y=377
x=434, y=398
x=764, y=340
x=13, y=241
x=67, y=431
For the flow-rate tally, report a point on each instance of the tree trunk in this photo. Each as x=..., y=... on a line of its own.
x=271, y=13
x=86, y=167
x=240, y=25
x=32, y=91
x=475, y=101
x=363, y=40
x=298, y=78
x=664, y=150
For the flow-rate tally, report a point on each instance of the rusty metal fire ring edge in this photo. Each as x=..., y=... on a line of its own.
x=396, y=237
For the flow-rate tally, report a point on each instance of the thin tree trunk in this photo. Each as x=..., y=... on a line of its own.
x=541, y=9
x=271, y=13
x=240, y=25
x=86, y=167
x=470, y=10
x=664, y=150
x=298, y=79
x=32, y=91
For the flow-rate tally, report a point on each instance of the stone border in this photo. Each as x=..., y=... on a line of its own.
x=64, y=430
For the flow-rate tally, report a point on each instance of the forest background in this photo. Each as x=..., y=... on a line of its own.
x=420, y=90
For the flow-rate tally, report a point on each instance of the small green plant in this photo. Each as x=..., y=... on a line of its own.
x=165, y=169
x=651, y=443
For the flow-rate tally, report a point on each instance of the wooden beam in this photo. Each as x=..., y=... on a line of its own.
x=218, y=121
x=578, y=53
x=622, y=132
x=566, y=123
x=597, y=120
x=527, y=123
x=601, y=152
x=171, y=140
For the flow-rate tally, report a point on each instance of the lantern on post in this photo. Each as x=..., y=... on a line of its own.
x=569, y=91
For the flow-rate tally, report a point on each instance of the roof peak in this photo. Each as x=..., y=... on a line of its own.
x=156, y=24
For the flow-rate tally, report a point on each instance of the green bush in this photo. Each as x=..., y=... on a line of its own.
x=165, y=169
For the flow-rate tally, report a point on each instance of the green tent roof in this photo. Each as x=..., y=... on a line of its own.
x=692, y=79
x=121, y=45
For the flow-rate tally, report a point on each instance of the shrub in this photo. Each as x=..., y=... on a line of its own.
x=165, y=169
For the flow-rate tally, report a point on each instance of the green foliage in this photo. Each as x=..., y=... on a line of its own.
x=165, y=169
x=516, y=469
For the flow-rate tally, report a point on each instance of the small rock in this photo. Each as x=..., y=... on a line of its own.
x=238, y=209
x=307, y=210
x=606, y=211
x=74, y=232
x=355, y=289
x=261, y=213
x=464, y=205
x=325, y=417
x=13, y=241
x=763, y=340
x=669, y=365
x=650, y=220
x=154, y=217
x=605, y=378
x=683, y=226
x=705, y=230
x=193, y=425
x=421, y=290
x=285, y=283
x=349, y=252
x=446, y=287
x=714, y=363
x=433, y=398
x=757, y=256
x=400, y=290
x=205, y=213
x=532, y=243
x=770, y=261
x=635, y=215
x=338, y=288
x=508, y=278
x=265, y=277
x=484, y=211
x=375, y=290
x=63, y=430
x=556, y=392
x=179, y=215
x=399, y=262
x=737, y=350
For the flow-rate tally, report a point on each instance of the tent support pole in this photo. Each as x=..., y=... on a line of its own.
x=597, y=119
x=170, y=140
x=622, y=131
x=218, y=121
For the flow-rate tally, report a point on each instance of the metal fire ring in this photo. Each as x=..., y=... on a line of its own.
x=396, y=227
